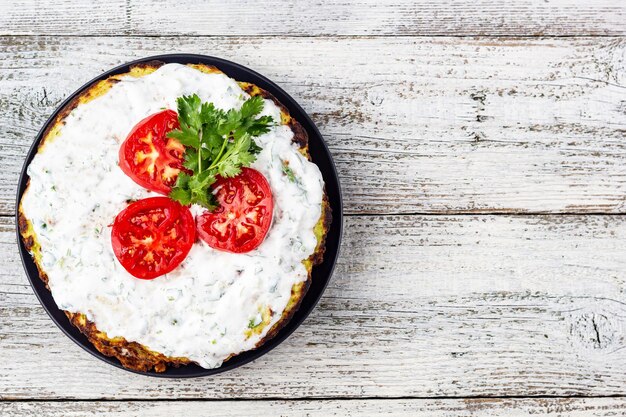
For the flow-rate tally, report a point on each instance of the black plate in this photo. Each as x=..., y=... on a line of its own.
x=321, y=273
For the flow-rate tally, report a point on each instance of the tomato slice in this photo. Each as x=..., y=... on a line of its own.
x=149, y=157
x=244, y=216
x=152, y=236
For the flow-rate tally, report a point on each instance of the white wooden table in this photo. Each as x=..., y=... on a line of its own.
x=482, y=151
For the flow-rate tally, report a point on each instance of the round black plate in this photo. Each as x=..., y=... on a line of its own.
x=321, y=273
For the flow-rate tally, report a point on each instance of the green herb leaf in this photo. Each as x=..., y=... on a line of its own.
x=254, y=148
x=229, y=169
x=186, y=135
x=252, y=107
x=246, y=157
x=182, y=195
x=260, y=126
x=189, y=111
x=217, y=142
x=289, y=172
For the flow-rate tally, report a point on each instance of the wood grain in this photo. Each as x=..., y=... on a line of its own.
x=363, y=408
x=70, y=17
x=429, y=125
x=420, y=306
x=334, y=17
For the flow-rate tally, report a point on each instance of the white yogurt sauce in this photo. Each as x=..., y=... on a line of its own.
x=202, y=309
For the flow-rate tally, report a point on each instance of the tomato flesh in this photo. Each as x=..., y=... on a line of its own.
x=244, y=215
x=149, y=157
x=152, y=236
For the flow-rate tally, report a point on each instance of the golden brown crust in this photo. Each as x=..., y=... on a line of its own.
x=30, y=243
x=133, y=355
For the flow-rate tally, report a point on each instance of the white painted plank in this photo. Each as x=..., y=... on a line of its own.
x=375, y=17
x=69, y=17
x=419, y=306
x=333, y=17
x=564, y=407
x=415, y=125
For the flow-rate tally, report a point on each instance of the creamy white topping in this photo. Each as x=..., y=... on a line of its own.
x=202, y=309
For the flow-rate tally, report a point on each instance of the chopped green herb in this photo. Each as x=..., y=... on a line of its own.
x=44, y=225
x=53, y=188
x=255, y=321
x=217, y=142
x=213, y=341
x=170, y=298
x=289, y=172
x=174, y=322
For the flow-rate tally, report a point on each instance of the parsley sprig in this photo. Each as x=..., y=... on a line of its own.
x=217, y=142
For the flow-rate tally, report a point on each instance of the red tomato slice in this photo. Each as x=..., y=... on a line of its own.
x=244, y=216
x=152, y=236
x=149, y=157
